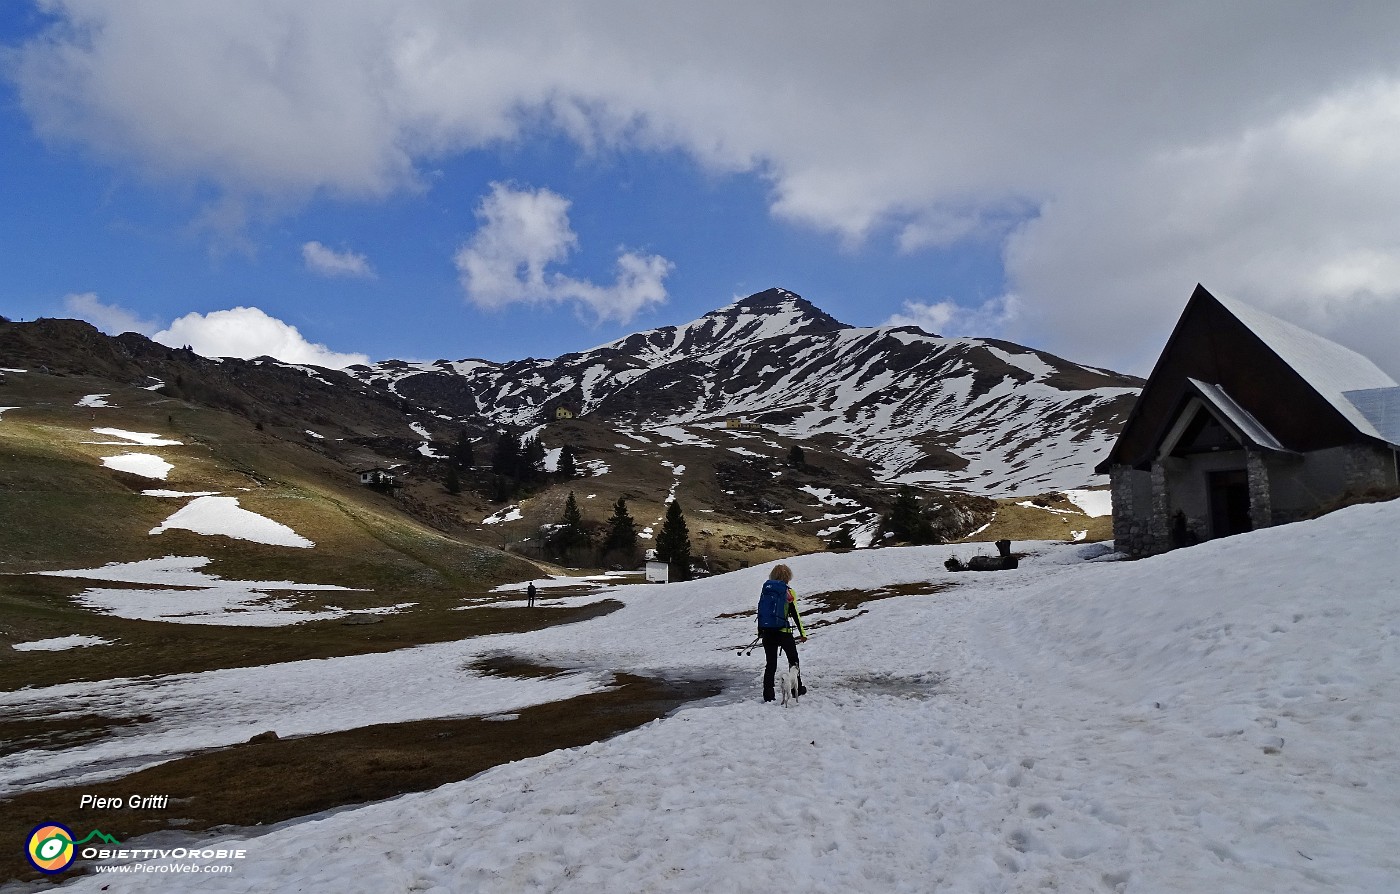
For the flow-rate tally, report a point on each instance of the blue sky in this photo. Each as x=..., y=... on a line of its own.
x=424, y=181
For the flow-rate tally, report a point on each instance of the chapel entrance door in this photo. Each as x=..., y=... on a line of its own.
x=1229, y=503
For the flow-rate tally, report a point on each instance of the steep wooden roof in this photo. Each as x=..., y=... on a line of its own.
x=1293, y=384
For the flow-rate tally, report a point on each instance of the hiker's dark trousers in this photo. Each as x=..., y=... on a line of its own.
x=772, y=639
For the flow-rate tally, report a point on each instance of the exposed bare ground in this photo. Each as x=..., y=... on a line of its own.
x=266, y=782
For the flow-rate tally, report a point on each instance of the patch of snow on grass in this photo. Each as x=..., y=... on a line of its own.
x=189, y=596
x=317, y=435
x=678, y=435
x=508, y=514
x=826, y=497
x=3, y=409
x=61, y=643
x=981, y=529
x=144, y=464
x=94, y=400
x=224, y=517
x=1094, y=503
x=144, y=438
x=1029, y=505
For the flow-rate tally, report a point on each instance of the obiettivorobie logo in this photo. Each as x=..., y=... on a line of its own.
x=51, y=847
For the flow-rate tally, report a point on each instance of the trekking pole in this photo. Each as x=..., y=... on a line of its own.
x=748, y=650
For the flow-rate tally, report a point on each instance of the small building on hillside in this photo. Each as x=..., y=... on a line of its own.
x=376, y=477
x=564, y=412
x=1246, y=422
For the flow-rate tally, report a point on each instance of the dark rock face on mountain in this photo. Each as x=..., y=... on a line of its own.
x=978, y=415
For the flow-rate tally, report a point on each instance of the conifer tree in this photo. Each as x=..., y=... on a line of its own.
x=841, y=539
x=505, y=459
x=566, y=462
x=673, y=543
x=620, y=543
x=796, y=458
x=569, y=532
x=531, y=460
x=908, y=521
x=453, y=483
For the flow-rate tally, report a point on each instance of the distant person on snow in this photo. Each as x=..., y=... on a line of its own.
x=530, y=594
x=776, y=604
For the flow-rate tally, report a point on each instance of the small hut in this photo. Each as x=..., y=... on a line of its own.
x=1246, y=422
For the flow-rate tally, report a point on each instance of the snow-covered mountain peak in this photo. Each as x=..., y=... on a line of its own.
x=971, y=414
x=781, y=305
x=769, y=314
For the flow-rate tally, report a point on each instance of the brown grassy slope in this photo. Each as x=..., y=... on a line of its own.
x=1020, y=523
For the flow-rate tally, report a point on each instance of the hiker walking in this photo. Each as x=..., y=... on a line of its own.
x=530, y=594
x=776, y=604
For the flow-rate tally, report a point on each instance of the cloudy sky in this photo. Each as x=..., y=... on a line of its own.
x=335, y=180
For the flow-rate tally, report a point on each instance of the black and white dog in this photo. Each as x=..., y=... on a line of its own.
x=791, y=682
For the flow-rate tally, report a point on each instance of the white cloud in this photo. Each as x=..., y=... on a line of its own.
x=1295, y=215
x=1247, y=145
x=951, y=320
x=522, y=234
x=247, y=332
x=328, y=262
x=110, y=318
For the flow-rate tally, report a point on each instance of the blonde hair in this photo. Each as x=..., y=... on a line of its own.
x=781, y=572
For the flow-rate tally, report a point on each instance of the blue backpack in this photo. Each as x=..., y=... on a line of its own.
x=772, y=605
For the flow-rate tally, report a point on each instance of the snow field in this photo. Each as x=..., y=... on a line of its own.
x=225, y=707
x=1216, y=719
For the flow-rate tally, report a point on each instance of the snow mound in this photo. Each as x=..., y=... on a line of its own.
x=223, y=516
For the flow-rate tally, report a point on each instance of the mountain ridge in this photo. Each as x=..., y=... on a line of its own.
x=777, y=360
x=710, y=412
